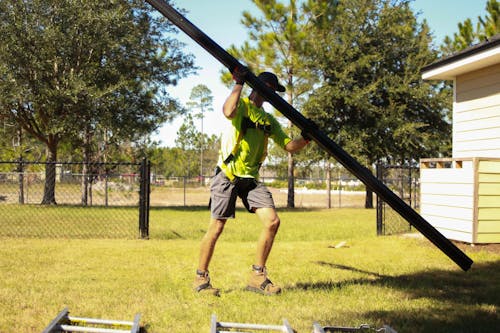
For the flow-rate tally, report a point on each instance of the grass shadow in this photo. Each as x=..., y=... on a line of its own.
x=455, y=291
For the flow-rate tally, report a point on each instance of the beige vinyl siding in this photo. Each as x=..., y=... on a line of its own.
x=476, y=114
x=447, y=201
x=488, y=217
x=463, y=203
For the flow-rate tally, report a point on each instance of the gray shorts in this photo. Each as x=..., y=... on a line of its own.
x=223, y=194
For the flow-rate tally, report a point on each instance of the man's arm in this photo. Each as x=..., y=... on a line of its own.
x=231, y=104
x=296, y=145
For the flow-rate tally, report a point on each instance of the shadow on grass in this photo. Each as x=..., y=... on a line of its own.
x=467, y=301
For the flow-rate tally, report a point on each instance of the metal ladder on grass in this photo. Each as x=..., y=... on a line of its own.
x=226, y=327
x=63, y=322
x=317, y=328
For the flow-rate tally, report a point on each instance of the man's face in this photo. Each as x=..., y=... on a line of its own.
x=270, y=87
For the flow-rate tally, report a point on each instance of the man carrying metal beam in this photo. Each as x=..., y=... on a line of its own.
x=243, y=149
x=361, y=172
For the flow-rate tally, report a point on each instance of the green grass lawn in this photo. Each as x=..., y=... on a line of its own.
x=402, y=282
x=58, y=221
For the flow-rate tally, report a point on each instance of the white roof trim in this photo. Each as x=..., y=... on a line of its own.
x=474, y=62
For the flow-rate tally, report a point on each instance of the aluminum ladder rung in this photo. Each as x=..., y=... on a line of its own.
x=317, y=328
x=219, y=326
x=71, y=328
x=64, y=322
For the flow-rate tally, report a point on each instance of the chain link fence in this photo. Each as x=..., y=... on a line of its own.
x=112, y=200
x=404, y=181
x=309, y=192
x=72, y=200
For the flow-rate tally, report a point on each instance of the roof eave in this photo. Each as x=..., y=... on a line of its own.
x=453, y=69
x=476, y=57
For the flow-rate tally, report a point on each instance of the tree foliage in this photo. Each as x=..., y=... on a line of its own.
x=370, y=97
x=189, y=141
x=469, y=35
x=200, y=101
x=83, y=71
x=367, y=55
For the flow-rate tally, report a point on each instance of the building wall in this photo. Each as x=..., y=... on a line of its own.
x=487, y=228
x=476, y=114
x=447, y=200
x=462, y=201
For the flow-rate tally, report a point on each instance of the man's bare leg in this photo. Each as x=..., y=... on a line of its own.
x=258, y=278
x=271, y=223
x=208, y=242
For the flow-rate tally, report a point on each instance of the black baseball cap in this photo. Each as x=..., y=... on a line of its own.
x=272, y=80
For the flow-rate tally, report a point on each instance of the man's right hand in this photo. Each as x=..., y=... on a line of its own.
x=239, y=74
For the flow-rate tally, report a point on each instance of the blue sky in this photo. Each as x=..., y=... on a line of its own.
x=220, y=20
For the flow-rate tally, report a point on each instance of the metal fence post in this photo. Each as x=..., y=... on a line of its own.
x=141, y=198
x=380, y=204
x=144, y=190
x=148, y=198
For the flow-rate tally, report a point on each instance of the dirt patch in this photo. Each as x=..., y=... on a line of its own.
x=492, y=248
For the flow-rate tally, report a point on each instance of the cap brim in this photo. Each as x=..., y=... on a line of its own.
x=280, y=88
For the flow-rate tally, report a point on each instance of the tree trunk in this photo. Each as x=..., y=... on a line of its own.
x=369, y=198
x=290, y=203
x=20, y=170
x=20, y=167
x=84, y=185
x=86, y=167
x=49, y=190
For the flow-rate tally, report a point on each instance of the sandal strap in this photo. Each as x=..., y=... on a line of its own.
x=264, y=284
x=203, y=286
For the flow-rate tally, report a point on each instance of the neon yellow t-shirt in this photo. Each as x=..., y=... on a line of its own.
x=251, y=151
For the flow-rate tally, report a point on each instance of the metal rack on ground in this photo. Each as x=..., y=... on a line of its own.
x=317, y=328
x=63, y=322
x=226, y=327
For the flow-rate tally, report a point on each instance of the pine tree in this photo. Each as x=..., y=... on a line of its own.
x=467, y=35
x=201, y=100
x=367, y=55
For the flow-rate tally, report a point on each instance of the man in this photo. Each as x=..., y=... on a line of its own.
x=243, y=149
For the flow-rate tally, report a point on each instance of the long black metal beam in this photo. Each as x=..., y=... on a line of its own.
x=362, y=173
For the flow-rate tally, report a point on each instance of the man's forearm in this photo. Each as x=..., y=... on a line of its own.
x=296, y=145
x=231, y=104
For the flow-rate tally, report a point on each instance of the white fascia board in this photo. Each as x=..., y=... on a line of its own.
x=474, y=62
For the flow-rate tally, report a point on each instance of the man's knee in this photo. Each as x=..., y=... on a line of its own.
x=269, y=217
x=274, y=224
x=216, y=228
